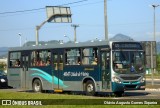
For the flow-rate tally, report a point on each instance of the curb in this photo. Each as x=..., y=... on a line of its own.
x=151, y=79
x=152, y=89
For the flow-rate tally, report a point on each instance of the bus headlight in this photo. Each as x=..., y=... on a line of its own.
x=116, y=79
x=142, y=80
x=3, y=80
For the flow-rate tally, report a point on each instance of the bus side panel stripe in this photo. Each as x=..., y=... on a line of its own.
x=48, y=77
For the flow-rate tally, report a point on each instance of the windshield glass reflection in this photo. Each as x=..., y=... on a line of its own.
x=128, y=61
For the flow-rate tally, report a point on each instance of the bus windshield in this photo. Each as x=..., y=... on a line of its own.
x=128, y=61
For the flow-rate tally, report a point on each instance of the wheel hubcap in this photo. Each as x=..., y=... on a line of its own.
x=37, y=86
x=90, y=88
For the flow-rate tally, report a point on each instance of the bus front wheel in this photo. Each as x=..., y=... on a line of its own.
x=119, y=94
x=37, y=85
x=90, y=88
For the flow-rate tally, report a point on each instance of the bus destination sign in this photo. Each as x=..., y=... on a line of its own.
x=126, y=45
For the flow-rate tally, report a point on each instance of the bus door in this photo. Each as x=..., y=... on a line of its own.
x=57, y=69
x=105, y=70
x=24, y=72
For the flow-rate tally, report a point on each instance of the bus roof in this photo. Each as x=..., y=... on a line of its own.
x=64, y=45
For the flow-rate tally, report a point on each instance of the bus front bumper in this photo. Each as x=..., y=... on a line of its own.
x=122, y=86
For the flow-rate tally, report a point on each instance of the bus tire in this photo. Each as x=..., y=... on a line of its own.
x=37, y=85
x=90, y=88
x=119, y=94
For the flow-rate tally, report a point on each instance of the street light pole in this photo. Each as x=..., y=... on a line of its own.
x=37, y=30
x=154, y=7
x=105, y=20
x=37, y=35
x=68, y=38
x=39, y=26
x=154, y=34
x=20, y=39
x=152, y=70
x=151, y=43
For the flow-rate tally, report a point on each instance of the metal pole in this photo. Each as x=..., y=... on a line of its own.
x=154, y=40
x=20, y=39
x=26, y=42
x=37, y=35
x=154, y=7
x=105, y=20
x=154, y=24
x=75, y=36
x=37, y=30
x=152, y=65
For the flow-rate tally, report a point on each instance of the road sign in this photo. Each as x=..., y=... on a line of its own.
x=57, y=14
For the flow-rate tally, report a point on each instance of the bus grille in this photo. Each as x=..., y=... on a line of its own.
x=130, y=77
x=130, y=86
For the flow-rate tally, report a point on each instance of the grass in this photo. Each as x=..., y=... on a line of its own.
x=30, y=95
x=86, y=106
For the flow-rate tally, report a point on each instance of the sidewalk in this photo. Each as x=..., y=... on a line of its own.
x=153, y=79
x=153, y=89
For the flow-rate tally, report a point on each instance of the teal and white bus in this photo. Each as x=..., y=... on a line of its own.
x=89, y=67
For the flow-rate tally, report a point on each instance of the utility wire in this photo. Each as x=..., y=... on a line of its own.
x=21, y=11
x=73, y=2
x=89, y=3
x=40, y=9
x=85, y=25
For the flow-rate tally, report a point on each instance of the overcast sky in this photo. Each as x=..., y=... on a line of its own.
x=130, y=17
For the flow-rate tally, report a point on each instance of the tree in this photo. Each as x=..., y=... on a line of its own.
x=158, y=62
x=2, y=66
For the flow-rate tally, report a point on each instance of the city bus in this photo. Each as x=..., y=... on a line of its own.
x=89, y=67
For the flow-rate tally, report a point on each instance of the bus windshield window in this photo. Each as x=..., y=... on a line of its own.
x=128, y=61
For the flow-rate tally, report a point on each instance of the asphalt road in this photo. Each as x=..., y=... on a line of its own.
x=147, y=94
x=139, y=94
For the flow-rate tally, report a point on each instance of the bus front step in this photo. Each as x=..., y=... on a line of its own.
x=58, y=90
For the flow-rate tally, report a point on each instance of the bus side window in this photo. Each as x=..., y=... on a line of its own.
x=17, y=64
x=14, y=59
x=72, y=57
x=40, y=58
x=90, y=56
x=55, y=61
x=61, y=63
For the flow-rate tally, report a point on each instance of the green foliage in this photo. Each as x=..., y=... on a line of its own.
x=2, y=66
x=158, y=63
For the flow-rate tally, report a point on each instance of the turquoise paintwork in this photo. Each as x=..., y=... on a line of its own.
x=117, y=87
x=121, y=86
x=47, y=77
x=136, y=82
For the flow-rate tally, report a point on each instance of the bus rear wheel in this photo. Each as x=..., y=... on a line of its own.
x=37, y=85
x=90, y=88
